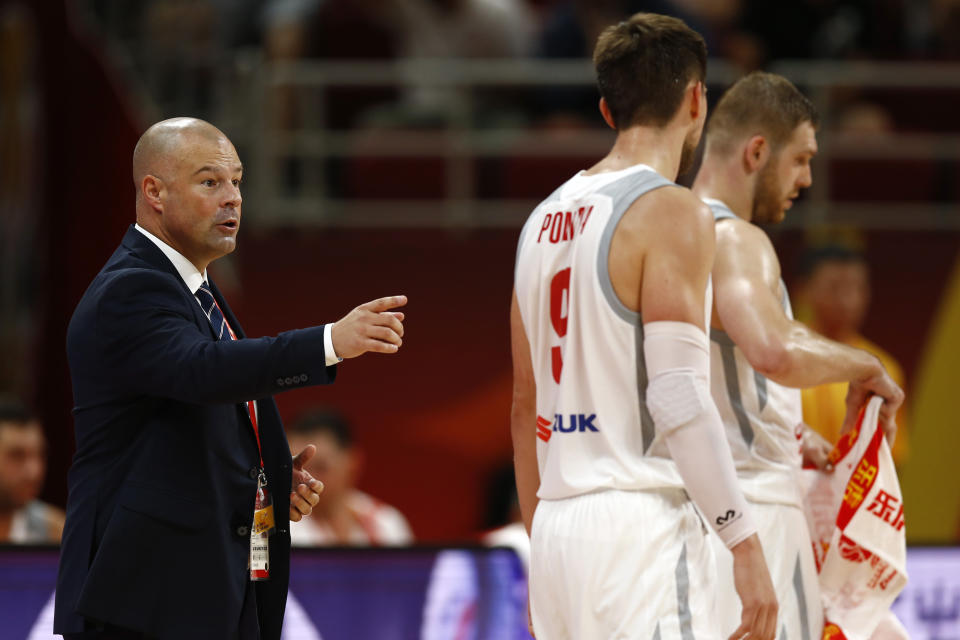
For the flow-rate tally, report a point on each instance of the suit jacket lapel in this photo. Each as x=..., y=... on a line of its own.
x=141, y=246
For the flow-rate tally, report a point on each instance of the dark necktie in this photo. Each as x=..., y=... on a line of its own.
x=220, y=327
x=212, y=310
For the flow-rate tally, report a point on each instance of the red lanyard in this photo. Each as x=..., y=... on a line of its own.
x=251, y=407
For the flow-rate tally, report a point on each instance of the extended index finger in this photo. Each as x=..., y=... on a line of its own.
x=384, y=304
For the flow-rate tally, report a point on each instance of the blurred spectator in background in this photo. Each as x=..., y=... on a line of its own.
x=439, y=30
x=836, y=292
x=571, y=26
x=460, y=28
x=345, y=515
x=863, y=118
x=827, y=28
x=945, y=29
x=23, y=463
x=20, y=170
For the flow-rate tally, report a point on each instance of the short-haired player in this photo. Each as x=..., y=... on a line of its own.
x=615, y=434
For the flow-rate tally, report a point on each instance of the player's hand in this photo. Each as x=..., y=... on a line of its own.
x=306, y=488
x=370, y=327
x=880, y=384
x=752, y=581
x=816, y=450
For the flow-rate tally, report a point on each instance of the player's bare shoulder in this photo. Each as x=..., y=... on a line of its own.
x=672, y=202
x=743, y=247
x=678, y=220
x=738, y=233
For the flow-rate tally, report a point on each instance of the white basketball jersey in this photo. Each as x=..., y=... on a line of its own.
x=594, y=431
x=762, y=418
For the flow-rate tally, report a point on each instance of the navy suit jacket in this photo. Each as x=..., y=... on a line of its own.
x=162, y=485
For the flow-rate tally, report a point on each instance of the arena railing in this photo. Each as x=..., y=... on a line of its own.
x=247, y=106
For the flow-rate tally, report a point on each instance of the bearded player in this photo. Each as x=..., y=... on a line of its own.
x=760, y=141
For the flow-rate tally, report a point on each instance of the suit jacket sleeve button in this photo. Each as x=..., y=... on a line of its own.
x=279, y=382
x=243, y=530
x=288, y=380
x=303, y=377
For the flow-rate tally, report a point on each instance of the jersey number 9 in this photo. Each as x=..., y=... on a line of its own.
x=559, y=312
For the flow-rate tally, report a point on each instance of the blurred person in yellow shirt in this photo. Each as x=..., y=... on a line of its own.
x=836, y=296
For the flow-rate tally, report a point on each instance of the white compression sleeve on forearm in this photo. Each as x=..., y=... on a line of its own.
x=677, y=356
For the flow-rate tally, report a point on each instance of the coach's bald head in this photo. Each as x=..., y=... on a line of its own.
x=187, y=175
x=160, y=145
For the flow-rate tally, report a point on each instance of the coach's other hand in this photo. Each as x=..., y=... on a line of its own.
x=370, y=327
x=757, y=597
x=306, y=488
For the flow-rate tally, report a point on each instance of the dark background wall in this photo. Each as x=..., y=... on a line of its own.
x=434, y=421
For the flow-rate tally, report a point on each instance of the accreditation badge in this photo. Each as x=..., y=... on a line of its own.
x=263, y=527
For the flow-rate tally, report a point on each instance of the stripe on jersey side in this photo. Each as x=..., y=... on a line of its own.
x=785, y=299
x=801, y=600
x=684, y=616
x=647, y=428
x=761, y=381
x=622, y=194
x=720, y=210
x=733, y=382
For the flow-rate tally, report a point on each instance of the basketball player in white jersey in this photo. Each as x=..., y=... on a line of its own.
x=613, y=425
x=760, y=141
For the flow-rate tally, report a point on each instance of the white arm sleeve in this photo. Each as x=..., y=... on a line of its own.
x=677, y=355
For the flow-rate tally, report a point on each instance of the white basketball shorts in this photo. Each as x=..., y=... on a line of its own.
x=622, y=565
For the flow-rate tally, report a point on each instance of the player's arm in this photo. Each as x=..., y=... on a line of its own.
x=746, y=290
x=676, y=349
x=523, y=418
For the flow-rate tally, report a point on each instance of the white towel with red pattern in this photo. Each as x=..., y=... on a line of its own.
x=856, y=523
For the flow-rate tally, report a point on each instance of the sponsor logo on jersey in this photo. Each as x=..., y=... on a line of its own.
x=574, y=422
x=566, y=423
x=543, y=428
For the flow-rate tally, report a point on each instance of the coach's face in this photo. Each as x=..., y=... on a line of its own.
x=201, y=198
x=785, y=174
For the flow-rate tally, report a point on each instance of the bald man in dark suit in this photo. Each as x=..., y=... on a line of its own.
x=182, y=486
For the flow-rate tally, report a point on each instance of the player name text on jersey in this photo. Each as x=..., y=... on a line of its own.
x=564, y=225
